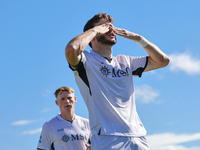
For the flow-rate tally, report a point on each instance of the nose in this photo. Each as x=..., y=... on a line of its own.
x=68, y=100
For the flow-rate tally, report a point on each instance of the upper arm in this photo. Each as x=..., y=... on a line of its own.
x=77, y=45
x=157, y=58
x=151, y=65
x=71, y=55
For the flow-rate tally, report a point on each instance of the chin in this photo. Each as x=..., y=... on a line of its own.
x=105, y=41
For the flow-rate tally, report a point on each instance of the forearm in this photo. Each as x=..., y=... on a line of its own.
x=157, y=58
x=127, y=34
x=77, y=45
x=80, y=42
x=156, y=55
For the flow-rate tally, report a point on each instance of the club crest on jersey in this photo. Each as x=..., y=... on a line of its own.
x=65, y=138
x=116, y=73
x=105, y=71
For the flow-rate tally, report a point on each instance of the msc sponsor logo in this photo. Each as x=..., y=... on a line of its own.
x=116, y=73
x=120, y=73
x=76, y=137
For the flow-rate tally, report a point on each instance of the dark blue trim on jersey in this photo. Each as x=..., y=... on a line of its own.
x=140, y=70
x=82, y=74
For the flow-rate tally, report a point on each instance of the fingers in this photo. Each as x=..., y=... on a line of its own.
x=116, y=30
x=88, y=147
x=103, y=28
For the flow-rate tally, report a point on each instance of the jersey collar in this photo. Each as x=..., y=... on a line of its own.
x=96, y=54
x=62, y=119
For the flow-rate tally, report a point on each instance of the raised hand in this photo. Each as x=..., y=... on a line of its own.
x=126, y=34
x=102, y=29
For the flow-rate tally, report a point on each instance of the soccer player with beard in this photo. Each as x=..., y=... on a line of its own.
x=106, y=83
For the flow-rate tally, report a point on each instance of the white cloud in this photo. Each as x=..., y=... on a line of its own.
x=24, y=122
x=45, y=110
x=184, y=62
x=169, y=141
x=30, y=132
x=46, y=93
x=146, y=94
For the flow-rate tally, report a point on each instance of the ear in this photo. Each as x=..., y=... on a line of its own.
x=74, y=99
x=56, y=101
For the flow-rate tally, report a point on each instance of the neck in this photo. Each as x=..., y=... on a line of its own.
x=69, y=117
x=104, y=51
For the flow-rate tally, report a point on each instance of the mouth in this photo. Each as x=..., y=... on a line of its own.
x=68, y=106
x=111, y=34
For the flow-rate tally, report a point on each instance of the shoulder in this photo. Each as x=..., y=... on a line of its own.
x=85, y=52
x=84, y=120
x=51, y=121
x=81, y=118
x=90, y=53
x=122, y=58
x=130, y=58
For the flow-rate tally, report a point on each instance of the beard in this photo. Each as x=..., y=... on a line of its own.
x=101, y=39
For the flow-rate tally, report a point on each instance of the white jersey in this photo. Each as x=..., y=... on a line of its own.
x=107, y=89
x=60, y=134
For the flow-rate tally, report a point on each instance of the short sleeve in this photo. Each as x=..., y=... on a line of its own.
x=82, y=61
x=45, y=138
x=138, y=65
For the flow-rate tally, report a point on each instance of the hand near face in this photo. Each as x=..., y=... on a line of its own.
x=102, y=29
x=126, y=34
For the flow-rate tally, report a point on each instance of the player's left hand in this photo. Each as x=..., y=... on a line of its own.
x=126, y=34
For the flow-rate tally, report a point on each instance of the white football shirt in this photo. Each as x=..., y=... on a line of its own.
x=107, y=89
x=63, y=135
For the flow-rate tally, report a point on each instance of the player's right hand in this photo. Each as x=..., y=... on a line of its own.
x=102, y=29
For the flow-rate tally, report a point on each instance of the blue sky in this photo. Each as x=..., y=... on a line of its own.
x=33, y=36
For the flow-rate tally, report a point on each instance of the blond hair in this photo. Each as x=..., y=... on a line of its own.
x=64, y=88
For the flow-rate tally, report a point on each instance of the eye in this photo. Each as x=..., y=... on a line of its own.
x=70, y=98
